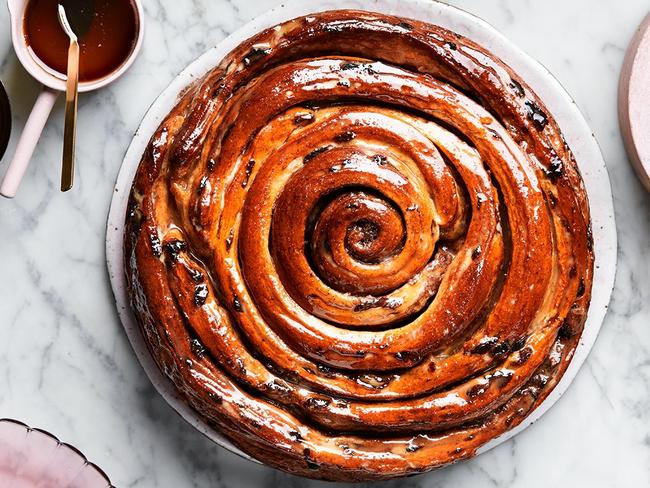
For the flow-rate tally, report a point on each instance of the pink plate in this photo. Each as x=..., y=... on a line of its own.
x=32, y=458
x=634, y=109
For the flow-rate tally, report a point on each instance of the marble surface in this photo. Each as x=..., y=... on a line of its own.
x=65, y=363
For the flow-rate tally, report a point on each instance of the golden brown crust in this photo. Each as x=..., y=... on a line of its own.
x=360, y=247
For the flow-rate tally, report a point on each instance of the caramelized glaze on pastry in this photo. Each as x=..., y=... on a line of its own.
x=360, y=247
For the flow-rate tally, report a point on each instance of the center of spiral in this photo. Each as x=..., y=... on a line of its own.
x=350, y=224
x=354, y=232
x=361, y=240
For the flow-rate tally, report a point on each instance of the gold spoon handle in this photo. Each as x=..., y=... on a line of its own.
x=69, y=134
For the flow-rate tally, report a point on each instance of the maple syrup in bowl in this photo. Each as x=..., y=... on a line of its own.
x=108, y=31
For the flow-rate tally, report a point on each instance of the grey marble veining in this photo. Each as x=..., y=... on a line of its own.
x=65, y=363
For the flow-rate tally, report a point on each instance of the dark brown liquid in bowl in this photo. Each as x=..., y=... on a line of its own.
x=5, y=120
x=107, y=31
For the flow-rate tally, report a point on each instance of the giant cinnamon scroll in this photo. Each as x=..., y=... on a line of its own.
x=360, y=247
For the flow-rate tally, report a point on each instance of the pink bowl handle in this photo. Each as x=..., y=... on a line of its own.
x=27, y=143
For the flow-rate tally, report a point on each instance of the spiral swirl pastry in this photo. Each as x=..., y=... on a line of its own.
x=360, y=247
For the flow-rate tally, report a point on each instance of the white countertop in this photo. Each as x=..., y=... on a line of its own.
x=65, y=363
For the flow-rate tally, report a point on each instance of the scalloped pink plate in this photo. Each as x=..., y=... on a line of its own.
x=32, y=458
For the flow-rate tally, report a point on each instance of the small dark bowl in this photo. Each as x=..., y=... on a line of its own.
x=5, y=120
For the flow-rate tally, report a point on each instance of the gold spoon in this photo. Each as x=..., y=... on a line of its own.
x=71, y=96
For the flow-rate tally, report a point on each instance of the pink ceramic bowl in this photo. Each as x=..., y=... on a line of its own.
x=53, y=84
x=32, y=458
x=634, y=110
